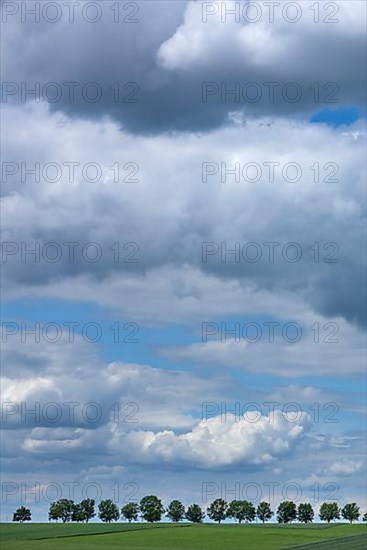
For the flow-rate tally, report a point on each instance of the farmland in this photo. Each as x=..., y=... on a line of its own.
x=164, y=536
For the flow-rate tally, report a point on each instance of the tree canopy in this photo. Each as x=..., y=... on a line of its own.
x=22, y=514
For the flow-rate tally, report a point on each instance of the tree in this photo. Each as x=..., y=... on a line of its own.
x=264, y=511
x=236, y=510
x=78, y=513
x=365, y=517
x=22, y=514
x=241, y=510
x=87, y=506
x=351, y=512
x=287, y=512
x=250, y=511
x=305, y=513
x=176, y=511
x=53, y=512
x=61, y=509
x=195, y=514
x=84, y=511
x=217, y=511
x=108, y=511
x=329, y=511
x=130, y=511
x=151, y=508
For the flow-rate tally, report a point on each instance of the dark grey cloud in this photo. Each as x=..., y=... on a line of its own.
x=169, y=214
x=168, y=55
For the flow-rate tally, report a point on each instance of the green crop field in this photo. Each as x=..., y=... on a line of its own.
x=182, y=537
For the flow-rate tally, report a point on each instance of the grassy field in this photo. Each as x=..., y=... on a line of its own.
x=182, y=537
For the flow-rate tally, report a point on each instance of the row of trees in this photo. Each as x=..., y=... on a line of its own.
x=67, y=510
x=151, y=509
x=243, y=510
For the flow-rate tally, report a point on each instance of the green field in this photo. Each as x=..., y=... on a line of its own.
x=181, y=537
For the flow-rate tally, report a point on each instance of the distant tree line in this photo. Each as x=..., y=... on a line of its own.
x=151, y=509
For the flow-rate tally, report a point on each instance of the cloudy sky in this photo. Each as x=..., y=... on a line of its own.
x=183, y=210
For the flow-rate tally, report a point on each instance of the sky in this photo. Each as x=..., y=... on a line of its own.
x=183, y=255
